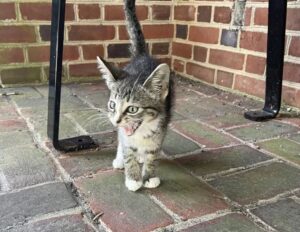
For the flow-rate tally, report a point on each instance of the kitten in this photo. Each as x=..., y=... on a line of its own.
x=139, y=106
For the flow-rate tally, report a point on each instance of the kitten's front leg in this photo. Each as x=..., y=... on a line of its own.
x=118, y=162
x=133, y=178
x=149, y=167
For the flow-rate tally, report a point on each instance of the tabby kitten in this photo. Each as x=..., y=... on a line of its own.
x=139, y=106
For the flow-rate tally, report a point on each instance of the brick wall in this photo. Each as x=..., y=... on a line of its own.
x=222, y=43
x=93, y=28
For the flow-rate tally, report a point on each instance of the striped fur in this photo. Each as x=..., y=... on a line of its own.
x=139, y=105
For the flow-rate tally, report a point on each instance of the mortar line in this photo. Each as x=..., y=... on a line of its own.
x=168, y=211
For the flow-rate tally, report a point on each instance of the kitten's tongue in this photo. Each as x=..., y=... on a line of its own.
x=128, y=130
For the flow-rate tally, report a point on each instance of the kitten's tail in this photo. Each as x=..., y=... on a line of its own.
x=138, y=45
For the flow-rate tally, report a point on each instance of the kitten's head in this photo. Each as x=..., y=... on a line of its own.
x=135, y=99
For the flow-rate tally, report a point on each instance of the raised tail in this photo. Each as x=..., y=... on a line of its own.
x=138, y=45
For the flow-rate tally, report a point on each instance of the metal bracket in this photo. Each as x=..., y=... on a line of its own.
x=275, y=61
x=55, y=73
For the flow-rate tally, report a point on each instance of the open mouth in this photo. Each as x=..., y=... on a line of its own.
x=131, y=127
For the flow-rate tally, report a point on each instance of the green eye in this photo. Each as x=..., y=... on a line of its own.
x=111, y=105
x=132, y=109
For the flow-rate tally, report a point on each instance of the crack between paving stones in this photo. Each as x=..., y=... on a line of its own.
x=66, y=178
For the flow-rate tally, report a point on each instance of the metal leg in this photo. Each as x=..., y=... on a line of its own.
x=56, y=56
x=275, y=56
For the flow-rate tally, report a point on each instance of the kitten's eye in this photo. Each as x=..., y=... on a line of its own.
x=111, y=105
x=132, y=109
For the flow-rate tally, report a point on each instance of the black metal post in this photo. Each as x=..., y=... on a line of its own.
x=55, y=73
x=275, y=61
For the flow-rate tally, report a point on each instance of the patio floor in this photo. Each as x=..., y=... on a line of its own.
x=219, y=171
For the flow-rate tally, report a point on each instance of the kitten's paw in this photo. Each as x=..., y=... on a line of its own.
x=118, y=164
x=133, y=185
x=152, y=182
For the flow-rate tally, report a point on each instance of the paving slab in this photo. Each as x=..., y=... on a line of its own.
x=175, y=143
x=283, y=215
x=204, y=135
x=18, y=207
x=87, y=162
x=123, y=210
x=12, y=125
x=8, y=112
x=263, y=130
x=225, y=159
x=284, y=148
x=24, y=166
x=229, y=119
x=70, y=103
x=15, y=138
x=67, y=128
x=69, y=223
x=92, y=121
x=295, y=138
x=98, y=100
x=230, y=222
x=21, y=92
x=184, y=194
x=106, y=140
x=260, y=183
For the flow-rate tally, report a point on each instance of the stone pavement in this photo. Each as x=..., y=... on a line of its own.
x=219, y=171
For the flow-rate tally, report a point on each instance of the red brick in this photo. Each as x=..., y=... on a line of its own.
x=291, y=96
x=17, y=34
x=204, y=14
x=184, y=13
x=84, y=70
x=160, y=48
x=161, y=31
x=42, y=53
x=42, y=11
x=12, y=125
x=117, y=12
x=200, y=53
x=200, y=72
x=89, y=11
x=123, y=35
x=11, y=55
x=247, y=16
x=224, y=79
x=293, y=19
x=291, y=72
x=255, y=41
x=178, y=65
x=294, y=49
x=160, y=12
x=227, y=59
x=255, y=64
x=222, y=15
x=182, y=50
x=261, y=16
x=7, y=11
x=250, y=86
x=204, y=34
x=91, y=32
x=90, y=52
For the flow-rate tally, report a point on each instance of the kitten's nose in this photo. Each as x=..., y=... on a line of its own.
x=119, y=120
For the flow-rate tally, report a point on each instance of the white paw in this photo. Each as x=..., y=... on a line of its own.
x=133, y=185
x=118, y=164
x=152, y=182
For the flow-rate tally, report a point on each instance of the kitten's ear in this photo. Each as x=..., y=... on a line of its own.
x=158, y=81
x=105, y=71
